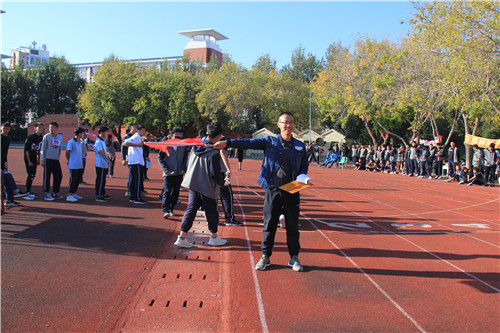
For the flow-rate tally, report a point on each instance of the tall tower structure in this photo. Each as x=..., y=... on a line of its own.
x=203, y=45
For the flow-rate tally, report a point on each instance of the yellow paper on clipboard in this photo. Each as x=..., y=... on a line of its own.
x=295, y=186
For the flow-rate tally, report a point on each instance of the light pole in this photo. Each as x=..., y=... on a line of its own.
x=310, y=108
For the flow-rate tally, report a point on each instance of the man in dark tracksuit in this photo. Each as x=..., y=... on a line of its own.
x=32, y=147
x=284, y=159
x=174, y=167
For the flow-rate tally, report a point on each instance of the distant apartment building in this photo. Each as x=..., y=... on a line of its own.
x=201, y=47
x=29, y=56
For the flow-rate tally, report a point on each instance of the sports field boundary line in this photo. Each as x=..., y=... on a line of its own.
x=417, y=246
x=379, y=288
x=386, y=295
x=258, y=294
x=418, y=215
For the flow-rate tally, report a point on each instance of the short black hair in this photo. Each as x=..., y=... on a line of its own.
x=213, y=130
x=177, y=130
x=6, y=124
x=139, y=127
x=286, y=113
x=132, y=124
x=54, y=124
x=202, y=133
x=78, y=130
x=38, y=125
x=103, y=129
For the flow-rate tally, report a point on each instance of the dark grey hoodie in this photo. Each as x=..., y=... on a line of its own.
x=205, y=171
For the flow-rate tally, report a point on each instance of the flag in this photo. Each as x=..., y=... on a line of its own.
x=163, y=145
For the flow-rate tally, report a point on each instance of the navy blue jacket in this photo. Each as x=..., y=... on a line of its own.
x=273, y=147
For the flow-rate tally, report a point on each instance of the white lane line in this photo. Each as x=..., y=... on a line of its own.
x=410, y=318
x=414, y=214
x=417, y=246
x=399, y=307
x=258, y=294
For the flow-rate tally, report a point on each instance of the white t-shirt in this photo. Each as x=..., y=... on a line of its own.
x=135, y=154
x=75, y=156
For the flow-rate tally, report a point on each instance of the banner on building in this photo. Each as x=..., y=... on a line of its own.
x=481, y=142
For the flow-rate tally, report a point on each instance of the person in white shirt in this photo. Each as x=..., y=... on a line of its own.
x=75, y=164
x=102, y=161
x=135, y=160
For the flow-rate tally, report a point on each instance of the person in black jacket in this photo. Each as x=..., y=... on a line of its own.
x=174, y=167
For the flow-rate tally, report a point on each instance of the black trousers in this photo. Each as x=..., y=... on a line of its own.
x=226, y=198
x=195, y=201
x=31, y=170
x=277, y=202
x=171, y=187
x=52, y=167
x=75, y=178
x=100, y=181
x=136, y=175
x=489, y=174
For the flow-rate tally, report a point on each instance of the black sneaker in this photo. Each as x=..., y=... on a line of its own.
x=100, y=199
x=11, y=203
x=106, y=197
x=140, y=202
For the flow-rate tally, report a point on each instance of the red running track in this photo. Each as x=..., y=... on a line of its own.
x=381, y=253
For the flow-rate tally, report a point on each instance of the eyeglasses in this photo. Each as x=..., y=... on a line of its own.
x=287, y=122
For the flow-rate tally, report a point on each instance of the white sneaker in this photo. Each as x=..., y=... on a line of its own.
x=71, y=198
x=217, y=241
x=182, y=242
x=29, y=197
x=282, y=221
x=77, y=196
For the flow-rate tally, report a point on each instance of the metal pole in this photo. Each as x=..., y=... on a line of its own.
x=310, y=107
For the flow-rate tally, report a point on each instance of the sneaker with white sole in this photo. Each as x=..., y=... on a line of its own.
x=295, y=264
x=71, y=198
x=282, y=221
x=11, y=203
x=30, y=197
x=216, y=241
x=49, y=197
x=182, y=242
x=263, y=263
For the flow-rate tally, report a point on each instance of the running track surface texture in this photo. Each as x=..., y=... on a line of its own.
x=381, y=253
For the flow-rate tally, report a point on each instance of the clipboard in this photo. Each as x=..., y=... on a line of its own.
x=294, y=187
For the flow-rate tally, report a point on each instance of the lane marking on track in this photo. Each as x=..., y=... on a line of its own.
x=379, y=288
x=414, y=244
x=473, y=225
x=415, y=214
x=258, y=294
x=414, y=322
x=450, y=210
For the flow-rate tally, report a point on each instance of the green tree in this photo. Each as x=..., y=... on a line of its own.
x=304, y=68
x=17, y=94
x=167, y=99
x=110, y=99
x=57, y=86
x=266, y=64
x=466, y=36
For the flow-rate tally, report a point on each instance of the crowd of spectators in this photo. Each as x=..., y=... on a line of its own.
x=421, y=161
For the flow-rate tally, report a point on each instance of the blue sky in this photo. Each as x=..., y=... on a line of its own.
x=91, y=31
